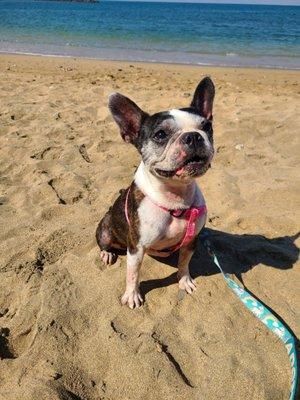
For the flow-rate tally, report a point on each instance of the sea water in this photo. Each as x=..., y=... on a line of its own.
x=212, y=34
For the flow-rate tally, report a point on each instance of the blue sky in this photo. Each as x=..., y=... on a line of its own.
x=279, y=2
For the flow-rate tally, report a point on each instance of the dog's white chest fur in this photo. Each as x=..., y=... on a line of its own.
x=158, y=228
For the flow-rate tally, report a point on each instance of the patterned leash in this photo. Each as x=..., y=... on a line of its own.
x=262, y=313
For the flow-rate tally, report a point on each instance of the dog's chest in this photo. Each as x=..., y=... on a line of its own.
x=176, y=227
x=159, y=229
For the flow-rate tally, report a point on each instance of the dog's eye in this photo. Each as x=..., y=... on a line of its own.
x=160, y=136
x=207, y=126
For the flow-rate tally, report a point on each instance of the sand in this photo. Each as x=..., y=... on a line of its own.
x=63, y=332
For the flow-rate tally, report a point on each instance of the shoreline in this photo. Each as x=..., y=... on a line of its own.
x=234, y=60
x=142, y=62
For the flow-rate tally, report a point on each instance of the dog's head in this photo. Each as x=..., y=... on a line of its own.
x=174, y=144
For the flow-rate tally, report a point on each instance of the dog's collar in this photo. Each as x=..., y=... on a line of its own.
x=191, y=214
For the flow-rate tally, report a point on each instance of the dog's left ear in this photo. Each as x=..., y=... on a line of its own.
x=204, y=98
x=127, y=115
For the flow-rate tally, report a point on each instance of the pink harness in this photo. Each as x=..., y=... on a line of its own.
x=191, y=214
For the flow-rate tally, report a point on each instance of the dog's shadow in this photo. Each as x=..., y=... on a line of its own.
x=236, y=253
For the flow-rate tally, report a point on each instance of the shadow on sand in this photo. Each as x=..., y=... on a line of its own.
x=237, y=254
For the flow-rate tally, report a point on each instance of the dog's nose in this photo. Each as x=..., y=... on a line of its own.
x=192, y=140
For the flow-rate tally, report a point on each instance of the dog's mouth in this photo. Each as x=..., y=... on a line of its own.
x=192, y=166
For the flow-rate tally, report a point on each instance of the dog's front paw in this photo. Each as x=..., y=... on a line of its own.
x=187, y=283
x=108, y=258
x=133, y=298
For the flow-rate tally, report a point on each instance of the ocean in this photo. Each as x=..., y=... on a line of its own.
x=203, y=34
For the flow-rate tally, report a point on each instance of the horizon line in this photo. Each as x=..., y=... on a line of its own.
x=237, y=2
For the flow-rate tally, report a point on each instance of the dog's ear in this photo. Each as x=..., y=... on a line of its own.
x=204, y=97
x=127, y=115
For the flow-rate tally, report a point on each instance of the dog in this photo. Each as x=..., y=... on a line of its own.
x=163, y=209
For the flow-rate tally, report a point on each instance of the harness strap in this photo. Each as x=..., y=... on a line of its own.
x=191, y=214
x=126, y=206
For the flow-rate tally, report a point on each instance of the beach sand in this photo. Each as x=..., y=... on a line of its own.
x=63, y=332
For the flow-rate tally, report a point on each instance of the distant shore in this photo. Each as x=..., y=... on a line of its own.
x=74, y=1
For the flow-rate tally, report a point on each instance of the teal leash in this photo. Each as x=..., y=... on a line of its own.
x=263, y=314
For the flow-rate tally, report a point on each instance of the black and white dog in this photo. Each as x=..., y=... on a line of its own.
x=163, y=209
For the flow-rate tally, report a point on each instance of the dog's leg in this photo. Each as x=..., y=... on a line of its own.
x=184, y=278
x=132, y=296
x=105, y=241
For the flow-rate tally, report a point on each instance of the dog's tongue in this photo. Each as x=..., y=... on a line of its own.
x=180, y=171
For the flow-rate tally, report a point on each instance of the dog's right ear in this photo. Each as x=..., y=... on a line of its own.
x=127, y=115
x=204, y=98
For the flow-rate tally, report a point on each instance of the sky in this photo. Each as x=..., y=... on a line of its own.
x=270, y=2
